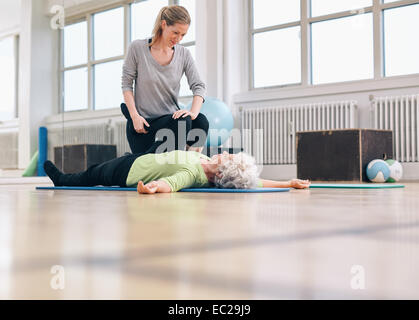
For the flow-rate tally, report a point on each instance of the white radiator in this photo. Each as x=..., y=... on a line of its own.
x=268, y=133
x=9, y=150
x=120, y=138
x=400, y=114
x=102, y=133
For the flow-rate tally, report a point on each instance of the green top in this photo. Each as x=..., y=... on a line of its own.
x=179, y=169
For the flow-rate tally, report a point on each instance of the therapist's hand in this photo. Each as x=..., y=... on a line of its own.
x=139, y=124
x=184, y=113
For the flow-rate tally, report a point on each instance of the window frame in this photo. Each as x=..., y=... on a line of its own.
x=16, y=104
x=87, y=16
x=377, y=9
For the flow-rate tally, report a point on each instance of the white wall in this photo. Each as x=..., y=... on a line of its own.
x=38, y=74
x=9, y=16
x=10, y=19
x=235, y=51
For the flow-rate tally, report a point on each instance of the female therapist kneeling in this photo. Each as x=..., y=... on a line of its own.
x=157, y=66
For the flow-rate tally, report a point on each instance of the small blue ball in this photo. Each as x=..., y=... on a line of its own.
x=378, y=171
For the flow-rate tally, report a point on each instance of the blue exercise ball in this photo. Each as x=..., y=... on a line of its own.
x=220, y=121
x=378, y=171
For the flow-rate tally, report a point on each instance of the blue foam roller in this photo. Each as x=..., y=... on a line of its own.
x=43, y=150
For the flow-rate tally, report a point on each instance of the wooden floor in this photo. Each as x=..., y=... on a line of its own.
x=305, y=244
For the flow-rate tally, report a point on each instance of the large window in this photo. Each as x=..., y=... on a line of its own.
x=75, y=67
x=342, y=45
x=108, y=34
x=276, y=43
x=143, y=17
x=108, y=49
x=324, y=7
x=342, y=49
x=8, y=54
x=310, y=42
x=75, y=89
x=281, y=65
x=401, y=26
x=94, y=50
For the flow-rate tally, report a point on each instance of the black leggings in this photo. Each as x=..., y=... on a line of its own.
x=110, y=173
x=147, y=143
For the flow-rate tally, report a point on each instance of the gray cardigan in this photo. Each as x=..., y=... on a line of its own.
x=156, y=86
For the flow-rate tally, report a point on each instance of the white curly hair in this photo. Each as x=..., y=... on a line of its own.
x=240, y=172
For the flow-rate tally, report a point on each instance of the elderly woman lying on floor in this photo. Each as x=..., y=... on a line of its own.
x=172, y=171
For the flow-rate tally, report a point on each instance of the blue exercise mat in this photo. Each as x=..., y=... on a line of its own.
x=216, y=190
x=210, y=190
x=88, y=188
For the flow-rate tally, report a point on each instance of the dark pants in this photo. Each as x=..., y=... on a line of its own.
x=181, y=128
x=110, y=173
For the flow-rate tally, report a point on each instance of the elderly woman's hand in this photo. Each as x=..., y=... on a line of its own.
x=299, y=184
x=149, y=188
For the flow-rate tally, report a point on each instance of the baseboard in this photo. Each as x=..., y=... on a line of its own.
x=410, y=171
x=24, y=180
x=11, y=173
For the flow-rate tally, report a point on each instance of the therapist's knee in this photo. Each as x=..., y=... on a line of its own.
x=201, y=122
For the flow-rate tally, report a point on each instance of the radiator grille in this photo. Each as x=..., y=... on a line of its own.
x=103, y=133
x=268, y=133
x=400, y=114
x=9, y=150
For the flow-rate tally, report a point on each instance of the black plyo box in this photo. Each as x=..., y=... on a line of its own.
x=341, y=155
x=79, y=157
